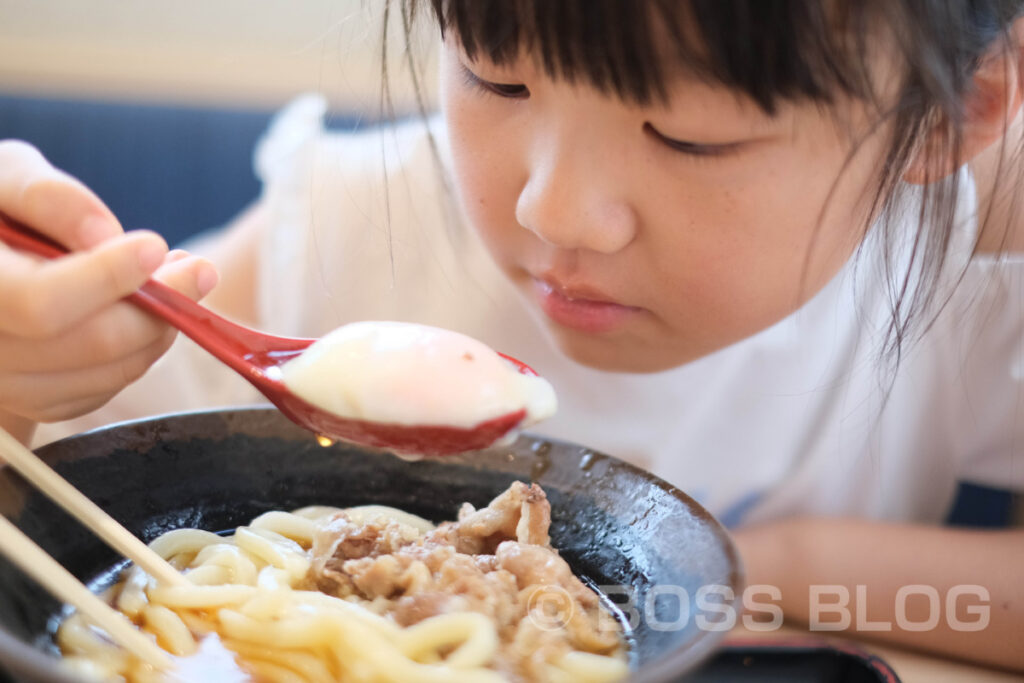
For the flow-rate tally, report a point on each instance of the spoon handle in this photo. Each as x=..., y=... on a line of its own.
x=226, y=340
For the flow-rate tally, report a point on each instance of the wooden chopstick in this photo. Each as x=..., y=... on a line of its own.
x=85, y=511
x=34, y=561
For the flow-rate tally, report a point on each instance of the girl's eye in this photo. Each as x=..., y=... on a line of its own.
x=512, y=91
x=692, y=148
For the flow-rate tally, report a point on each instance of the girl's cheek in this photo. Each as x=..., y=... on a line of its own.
x=487, y=164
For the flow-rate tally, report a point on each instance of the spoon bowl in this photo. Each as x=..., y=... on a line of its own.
x=258, y=358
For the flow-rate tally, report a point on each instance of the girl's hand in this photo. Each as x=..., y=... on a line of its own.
x=864, y=568
x=67, y=343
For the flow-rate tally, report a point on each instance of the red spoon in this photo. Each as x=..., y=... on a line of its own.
x=254, y=354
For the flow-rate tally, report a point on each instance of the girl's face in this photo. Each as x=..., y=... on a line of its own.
x=648, y=236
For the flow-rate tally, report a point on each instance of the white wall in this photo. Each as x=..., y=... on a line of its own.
x=235, y=52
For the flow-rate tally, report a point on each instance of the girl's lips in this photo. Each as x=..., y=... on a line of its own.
x=586, y=315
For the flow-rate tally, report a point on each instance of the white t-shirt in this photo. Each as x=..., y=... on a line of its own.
x=792, y=420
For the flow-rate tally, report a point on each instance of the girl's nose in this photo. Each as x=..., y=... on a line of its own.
x=571, y=209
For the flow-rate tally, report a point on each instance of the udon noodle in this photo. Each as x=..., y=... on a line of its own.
x=364, y=594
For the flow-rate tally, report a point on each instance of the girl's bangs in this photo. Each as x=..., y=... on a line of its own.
x=767, y=50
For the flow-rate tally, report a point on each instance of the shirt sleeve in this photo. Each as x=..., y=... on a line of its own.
x=987, y=359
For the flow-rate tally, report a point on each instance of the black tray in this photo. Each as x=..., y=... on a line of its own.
x=794, y=662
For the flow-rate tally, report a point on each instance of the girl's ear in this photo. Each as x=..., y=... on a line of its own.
x=993, y=99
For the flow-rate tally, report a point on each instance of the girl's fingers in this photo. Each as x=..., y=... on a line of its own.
x=52, y=202
x=39, y=299
x=39, y=396
x=175, y=255
x=105, y=338
x=191, y=275
x=112, y=334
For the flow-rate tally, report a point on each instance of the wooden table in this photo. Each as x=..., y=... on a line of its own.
x=911, y=667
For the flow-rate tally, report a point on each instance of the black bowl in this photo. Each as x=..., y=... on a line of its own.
x=646, y=543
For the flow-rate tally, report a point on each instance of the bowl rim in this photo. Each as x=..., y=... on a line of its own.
x=20, y=657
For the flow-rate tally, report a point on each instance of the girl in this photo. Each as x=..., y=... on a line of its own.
x=769, y=250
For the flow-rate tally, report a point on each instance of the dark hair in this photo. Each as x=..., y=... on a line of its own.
x=773, y=50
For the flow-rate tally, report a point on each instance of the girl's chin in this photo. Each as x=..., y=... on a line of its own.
x=612, y=355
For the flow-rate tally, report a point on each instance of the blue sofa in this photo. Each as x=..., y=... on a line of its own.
x=175, y=170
